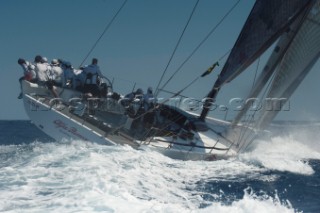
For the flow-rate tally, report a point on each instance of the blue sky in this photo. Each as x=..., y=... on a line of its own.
x=136, y=48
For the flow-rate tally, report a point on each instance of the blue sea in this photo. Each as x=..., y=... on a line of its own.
x=40, y=175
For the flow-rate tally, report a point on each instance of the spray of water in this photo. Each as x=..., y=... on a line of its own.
x=79, y=176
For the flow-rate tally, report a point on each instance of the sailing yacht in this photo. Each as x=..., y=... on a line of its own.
x=111, y=119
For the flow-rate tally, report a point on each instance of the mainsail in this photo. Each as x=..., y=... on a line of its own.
x=303, y=52
x=266, y=22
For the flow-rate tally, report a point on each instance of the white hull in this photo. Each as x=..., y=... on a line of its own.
x=59, y=123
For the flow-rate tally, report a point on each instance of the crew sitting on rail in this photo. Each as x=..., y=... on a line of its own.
x=68, y=74
x=56, y=73
x=29, y=73
x=42, y=73
x=71, y=78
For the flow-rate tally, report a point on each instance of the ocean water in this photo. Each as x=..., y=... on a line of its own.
x=39, y=175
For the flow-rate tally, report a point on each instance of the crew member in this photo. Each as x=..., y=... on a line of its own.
x=42, y=73
x=56, y=73
x=92, y=75
x=28, y=73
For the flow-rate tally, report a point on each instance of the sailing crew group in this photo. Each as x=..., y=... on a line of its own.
x=139, y=106
x=87, y=79
x=61, y=73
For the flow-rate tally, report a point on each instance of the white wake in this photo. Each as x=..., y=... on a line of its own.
x=78, y=176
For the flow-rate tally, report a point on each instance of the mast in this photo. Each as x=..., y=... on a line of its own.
x=258, y=34
x=211, y=97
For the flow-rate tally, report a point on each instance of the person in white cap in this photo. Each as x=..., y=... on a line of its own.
x=56, y=72
x=41, y=69
x=43, y=74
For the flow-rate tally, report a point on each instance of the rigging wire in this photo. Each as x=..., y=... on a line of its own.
x=104, y=31
x=201, y=43
x=253, y=83
x=255, y=74
x=251, y=116
x=197, y=78
x=176, y=47
x=264, y=95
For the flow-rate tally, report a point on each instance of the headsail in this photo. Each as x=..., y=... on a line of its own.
x=259, y=32
x=274, y=59
x=299, y=59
